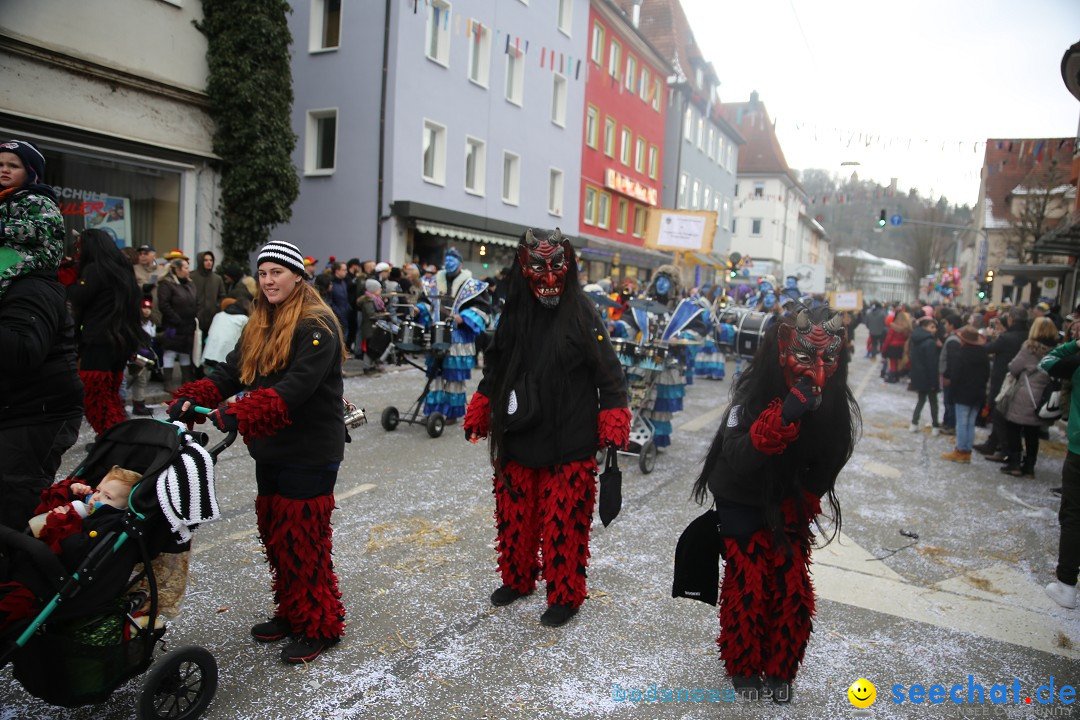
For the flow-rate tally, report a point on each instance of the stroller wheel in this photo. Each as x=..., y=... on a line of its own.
x=647, y=458
x=389, y=419
x=180, y=685
x=435, y=424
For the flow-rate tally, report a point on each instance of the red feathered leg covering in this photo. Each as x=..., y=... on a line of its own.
x=767, y=599
x=301, y=537
x=567, y=494
x=517, y=527
x=16, y=603
x=264, y=522
x=102, y=392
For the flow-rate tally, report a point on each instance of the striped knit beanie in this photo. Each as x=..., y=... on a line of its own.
x=31, y=158
x=282, y=253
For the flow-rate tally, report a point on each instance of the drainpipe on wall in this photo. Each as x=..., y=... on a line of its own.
x=382, y=132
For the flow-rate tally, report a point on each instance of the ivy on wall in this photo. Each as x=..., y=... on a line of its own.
x=251, y=96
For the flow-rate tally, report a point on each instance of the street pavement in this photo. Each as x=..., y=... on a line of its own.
x=413, y=537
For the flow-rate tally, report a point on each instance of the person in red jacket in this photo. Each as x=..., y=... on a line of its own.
x=895, y=346
x=551, y=395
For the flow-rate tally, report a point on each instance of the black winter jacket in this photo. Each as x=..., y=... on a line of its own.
x=311, y=387
x=967, y=371
x=39, y=381
x=923, y=351
x=178, y=303
x=1003, y=350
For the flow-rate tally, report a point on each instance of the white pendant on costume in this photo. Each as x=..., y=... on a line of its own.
x=512, y=406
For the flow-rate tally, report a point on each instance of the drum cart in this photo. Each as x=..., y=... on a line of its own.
x=409, y=337
x=641, y=366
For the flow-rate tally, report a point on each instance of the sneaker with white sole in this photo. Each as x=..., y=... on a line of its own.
x=1064, y=595
x=935, y=431
x=913, y=428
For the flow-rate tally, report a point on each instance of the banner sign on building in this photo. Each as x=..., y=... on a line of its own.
x=628, y=186
x=682, y=230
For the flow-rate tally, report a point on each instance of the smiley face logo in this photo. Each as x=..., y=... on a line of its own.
x=862, y=693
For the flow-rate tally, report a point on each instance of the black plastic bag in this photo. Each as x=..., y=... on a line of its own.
x=610, y=488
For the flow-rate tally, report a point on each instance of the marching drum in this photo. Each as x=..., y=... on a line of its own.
x=626, y=350
x=410, y=337
x=749, y=327
x=440, y=336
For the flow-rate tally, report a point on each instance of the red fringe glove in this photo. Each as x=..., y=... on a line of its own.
x=260, y=413
x=769, y=433
x=56, y=495
x=204, y=392
x=477, y=416
x=59, y=526
x=613, y=427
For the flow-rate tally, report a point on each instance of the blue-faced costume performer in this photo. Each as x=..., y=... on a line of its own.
x=468, y=318
x=788, y=432
x=552, y=394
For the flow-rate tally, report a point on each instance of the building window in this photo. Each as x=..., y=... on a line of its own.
x=658, y=89
x=434, y=153
x=639, y=155
x=624, y=151
x=438, y=32
x=654, y=155
x=565, y=16
x=733, y=221
x=603, y=210
x=644, y=83
x=515, y=77
x=558, y=100
x=597, y=53
x=730, y=164
x=631, y=72
x=555, y=191
x=320, y=151
x=759, y=189
x=588, y=212
x=479, y=53
x=511, y=183
x=695, y=195
x=620, y=222
x=710, y=143
x=707, y=199
x=726, y=210
x=736, y=190
x=684, y=185
x=720, y=150
x=614, y=58
x=592, y=126
x=701, y=133
x=639, y=221
x=609, y=137
x=475, y=162
x=325, y=25
x=755, y=226
x=688, y=124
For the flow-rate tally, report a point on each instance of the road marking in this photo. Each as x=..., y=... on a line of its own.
x=1014, y=609
x=199, y=548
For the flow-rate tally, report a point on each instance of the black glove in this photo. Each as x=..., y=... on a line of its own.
x=224, y=421
x=799, y=400
x=176, y=413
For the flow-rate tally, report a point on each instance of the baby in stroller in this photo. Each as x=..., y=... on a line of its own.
x=66, y=527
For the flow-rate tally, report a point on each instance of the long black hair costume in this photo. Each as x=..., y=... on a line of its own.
x=789, y=430
x=556, y=395
x=106, y=303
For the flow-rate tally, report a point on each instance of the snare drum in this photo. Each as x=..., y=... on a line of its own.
x=440, y=336
x=410, y=337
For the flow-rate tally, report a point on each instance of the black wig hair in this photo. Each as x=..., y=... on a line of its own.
x=827, y=435
x=522, y=317
x=120, y=293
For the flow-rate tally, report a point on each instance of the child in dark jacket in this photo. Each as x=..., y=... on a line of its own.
x=923, y=350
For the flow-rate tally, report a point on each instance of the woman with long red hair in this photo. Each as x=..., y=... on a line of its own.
x=286, y=368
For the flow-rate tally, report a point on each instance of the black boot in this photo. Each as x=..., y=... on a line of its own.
x=505, y=595
x=138, y=407
x=557, y=615
x=748, y=686
x=780, y=691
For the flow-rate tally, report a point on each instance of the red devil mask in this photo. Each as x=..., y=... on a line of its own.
x=810, y=349
x=544, y=259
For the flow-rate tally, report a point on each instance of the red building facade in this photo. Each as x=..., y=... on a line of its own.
x=623, y=138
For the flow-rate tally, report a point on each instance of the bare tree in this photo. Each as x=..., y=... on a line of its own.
x=1036, y=206
x=930, y=246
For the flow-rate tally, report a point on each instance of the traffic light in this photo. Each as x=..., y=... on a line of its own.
x=881, y=219
x=982, y=291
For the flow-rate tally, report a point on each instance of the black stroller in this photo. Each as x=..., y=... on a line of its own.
x=93, y=628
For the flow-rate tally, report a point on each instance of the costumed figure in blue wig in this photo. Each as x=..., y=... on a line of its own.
x=666, y=396
x=457, y=299
x=709, y=363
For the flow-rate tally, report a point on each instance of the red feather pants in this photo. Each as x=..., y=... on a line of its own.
x=102, y=393
x=546, y=510
x=296, y=535
x=767, y=599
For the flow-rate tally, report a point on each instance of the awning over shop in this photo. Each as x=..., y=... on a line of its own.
x=460, y=233
x=1033, y=271
x=706, y=259
x=1064, y=239
x=603, y=249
